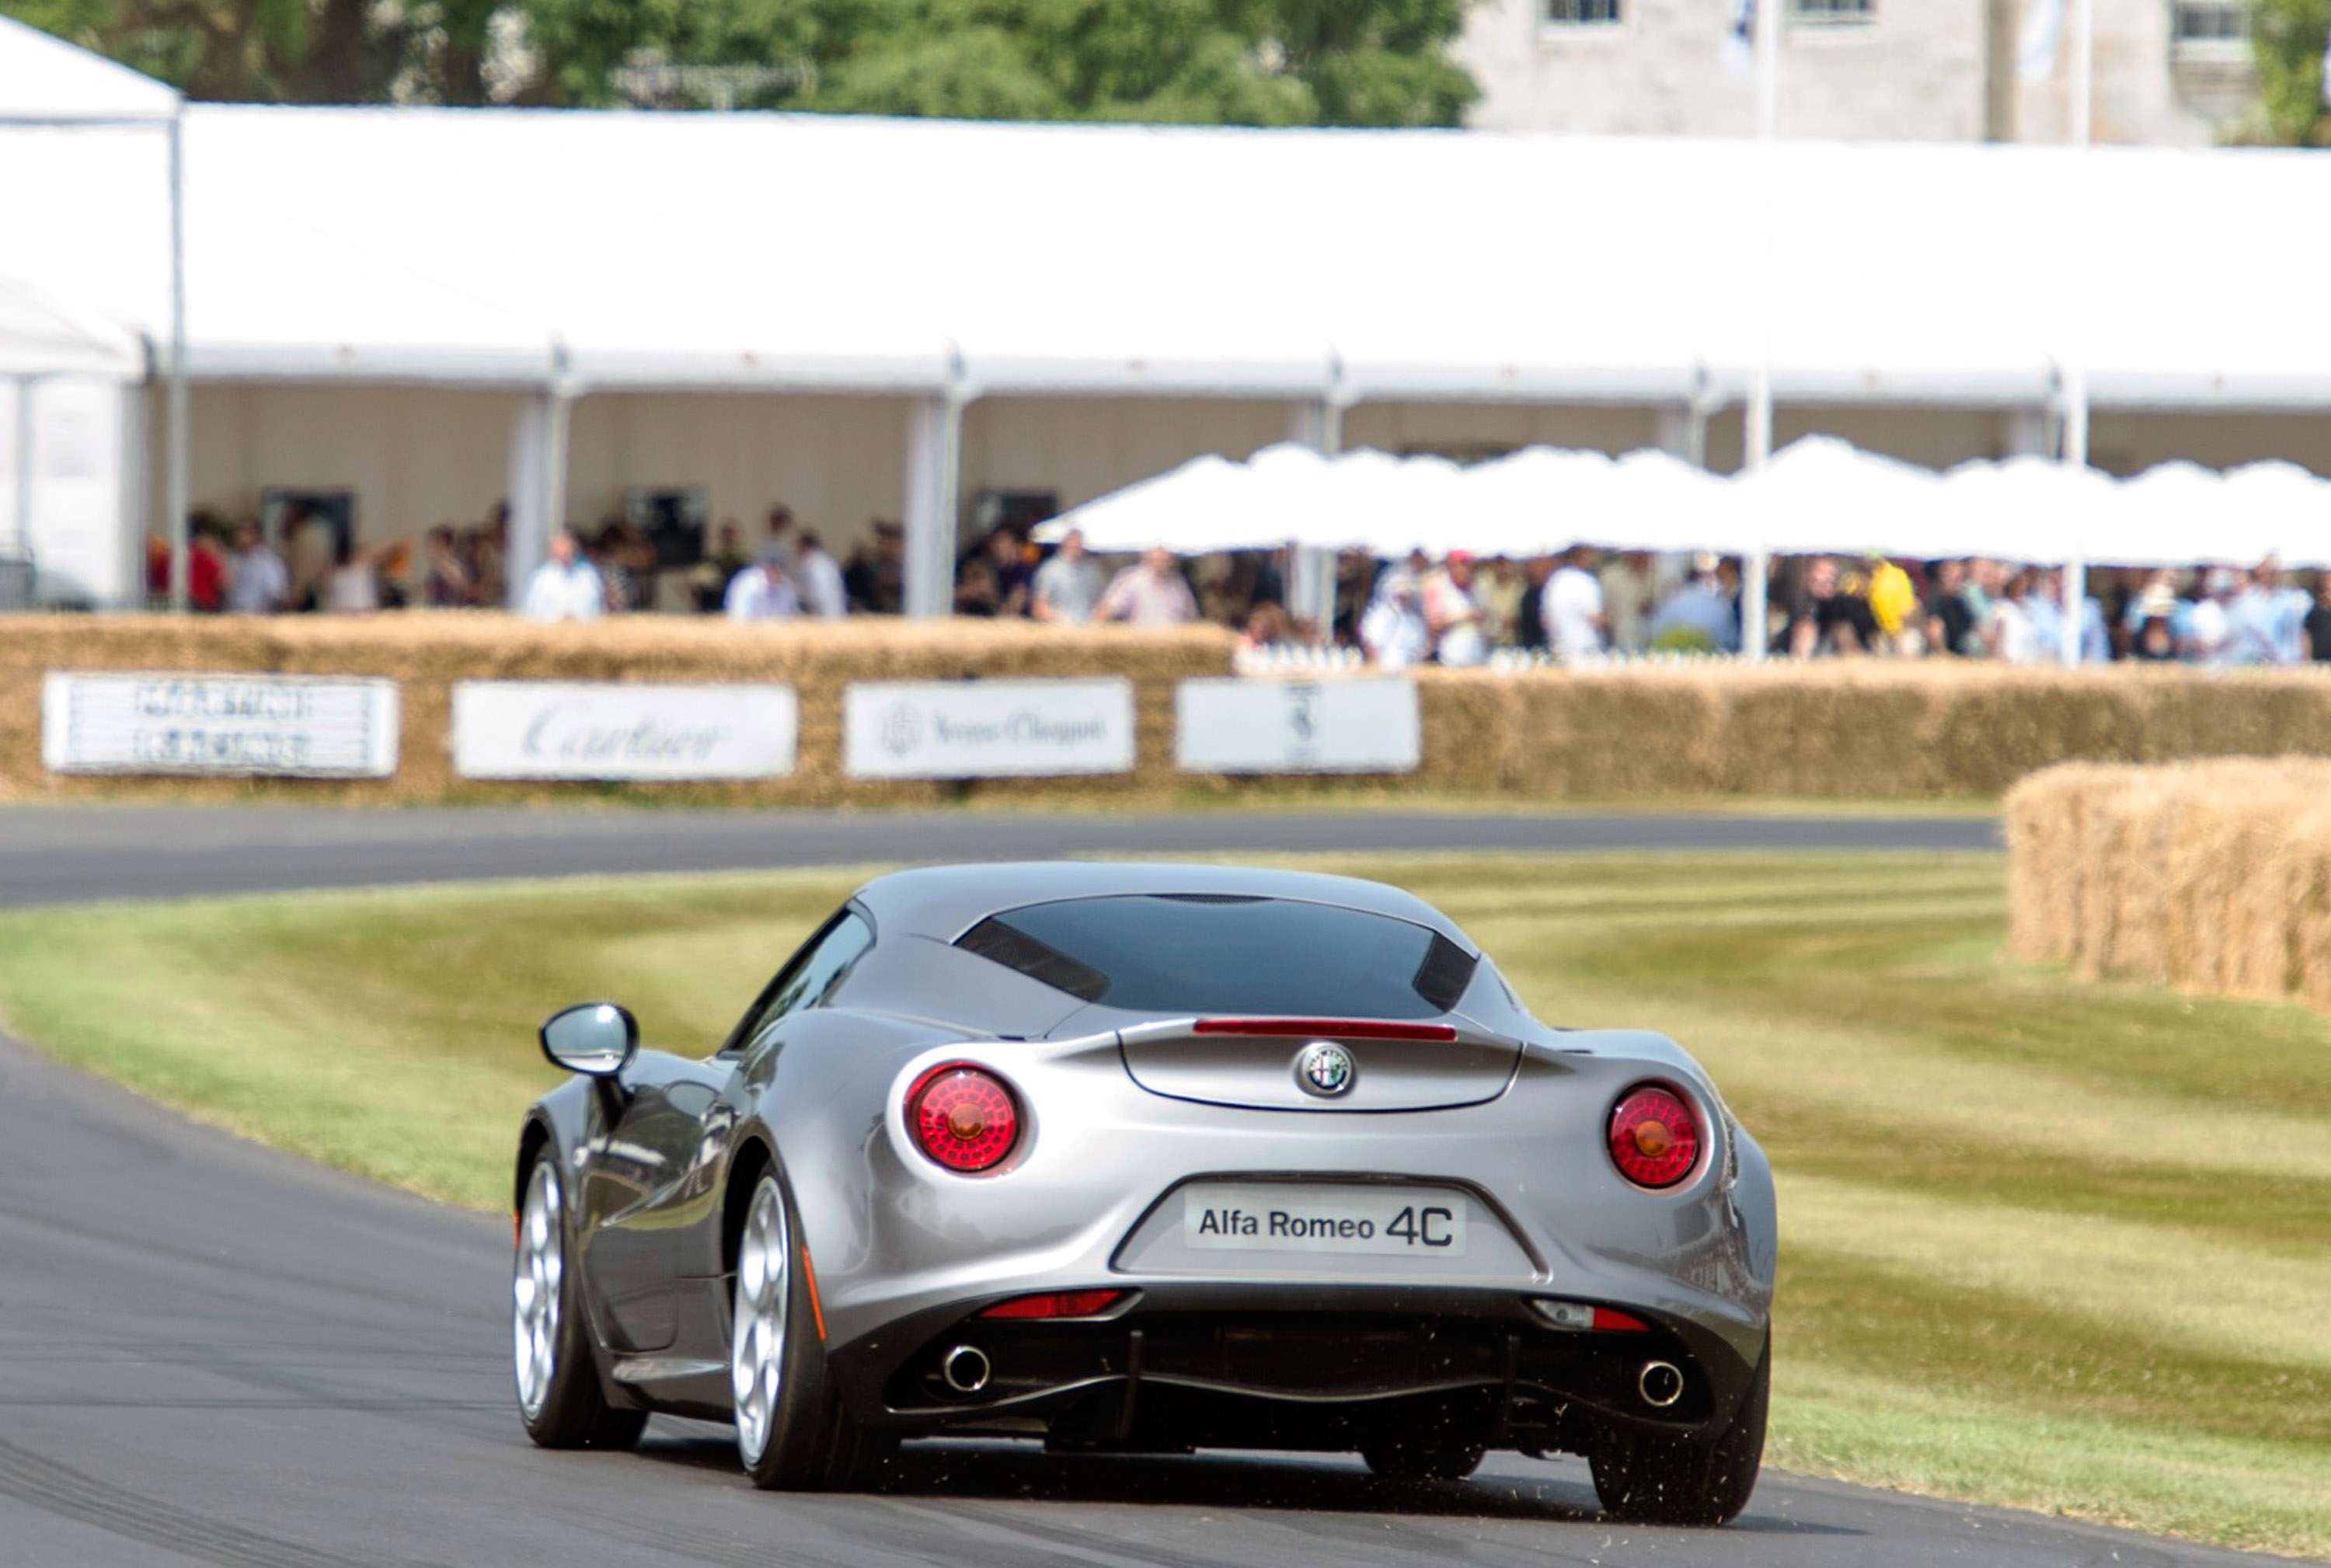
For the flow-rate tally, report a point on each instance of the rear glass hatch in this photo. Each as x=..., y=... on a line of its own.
x=1228, y=999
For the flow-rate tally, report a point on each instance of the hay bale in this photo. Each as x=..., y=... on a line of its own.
x=2212, y=875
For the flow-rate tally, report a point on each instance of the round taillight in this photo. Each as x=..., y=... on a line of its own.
x=963, y=1117
x=1654, y=1137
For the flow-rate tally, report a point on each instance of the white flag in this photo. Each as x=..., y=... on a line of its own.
x=1740, y=38
x=2326, y=68
x=2035, y=46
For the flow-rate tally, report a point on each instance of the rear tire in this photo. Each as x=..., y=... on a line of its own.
x=793, y=1432
x=1423, y=1458
x=1651, y=1480
x=559, y=1396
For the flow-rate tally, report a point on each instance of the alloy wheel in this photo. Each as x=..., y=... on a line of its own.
x=535, y=1284
x=757, y=1352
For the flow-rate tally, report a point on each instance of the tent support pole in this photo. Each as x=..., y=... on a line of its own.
x=537, y=495
x=1755, y=584
x=2075, y=570
x=22, y=467
x=1310, y=572
x=173, y=441
x=2076, y=378
x=934, y=485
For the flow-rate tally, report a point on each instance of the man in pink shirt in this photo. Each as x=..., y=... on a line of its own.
x=1151, y=593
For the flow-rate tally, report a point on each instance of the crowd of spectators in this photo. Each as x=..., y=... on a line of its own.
x=1583, y=605
x=314, y=564
x=1577, y=605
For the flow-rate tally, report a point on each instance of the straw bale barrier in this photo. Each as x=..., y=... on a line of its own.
x=2214, y=876
x=427, y=654
x=1866, y=729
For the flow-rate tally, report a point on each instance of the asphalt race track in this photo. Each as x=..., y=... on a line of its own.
x=65, y=854
x=214, y=1354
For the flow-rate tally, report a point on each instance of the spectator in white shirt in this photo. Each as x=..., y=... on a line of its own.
x=818, y=581
x=1393, y=630
x=1068, y=586
x=258, y=583
x=566, y=587
x=763, y=592
x=1571, y=607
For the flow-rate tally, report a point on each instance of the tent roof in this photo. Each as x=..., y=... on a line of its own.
x=42, y=337
x=45, y=79
x=1818, y=495
x=824, y=252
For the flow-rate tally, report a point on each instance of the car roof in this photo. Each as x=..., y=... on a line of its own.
x=945, y=901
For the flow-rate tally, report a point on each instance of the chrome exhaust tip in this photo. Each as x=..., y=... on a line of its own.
x=965, y=1369
x=1660, y=1383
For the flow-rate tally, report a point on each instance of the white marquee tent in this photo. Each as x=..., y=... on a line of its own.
x=1819, y=495
x=65, y=367
x=568, y=254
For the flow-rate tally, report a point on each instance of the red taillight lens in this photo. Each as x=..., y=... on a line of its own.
x=963, y=1117
x=1058, y=1304
x=1654, y=1137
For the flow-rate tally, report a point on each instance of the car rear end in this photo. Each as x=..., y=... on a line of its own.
x=1297, y=1225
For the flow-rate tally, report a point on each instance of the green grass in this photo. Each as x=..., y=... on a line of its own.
x=2045, y=1244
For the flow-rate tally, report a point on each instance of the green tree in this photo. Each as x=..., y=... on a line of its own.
x=1374, y=62
x=1213, y=62
x=2288, y=37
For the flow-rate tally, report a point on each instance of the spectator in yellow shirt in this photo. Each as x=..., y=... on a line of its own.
x=1893, y=600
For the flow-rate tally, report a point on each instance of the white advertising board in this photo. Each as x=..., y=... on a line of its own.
x=987, y=728
x=302, y=727
x=547, y=729
x=1238, y=726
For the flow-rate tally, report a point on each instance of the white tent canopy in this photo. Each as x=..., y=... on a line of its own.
x=622, y=250
x=1819, y=496
x=42, y=337
x=46, y=80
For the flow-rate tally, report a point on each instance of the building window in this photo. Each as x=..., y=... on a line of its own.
x=1583, y=12
x=1824, y=12
x=2211, y=28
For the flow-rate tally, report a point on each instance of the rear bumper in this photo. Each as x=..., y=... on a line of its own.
x=1289, y=1366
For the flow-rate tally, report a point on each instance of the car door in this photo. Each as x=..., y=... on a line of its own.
x=656, y=1255
x=647, y=1180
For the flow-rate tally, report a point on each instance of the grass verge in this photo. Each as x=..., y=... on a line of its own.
x=2048, y=1245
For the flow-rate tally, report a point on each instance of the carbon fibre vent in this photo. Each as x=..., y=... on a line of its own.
x=1445, y=973
x=1014, y=949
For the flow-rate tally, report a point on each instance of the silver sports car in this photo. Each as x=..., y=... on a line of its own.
x=1142, y=1158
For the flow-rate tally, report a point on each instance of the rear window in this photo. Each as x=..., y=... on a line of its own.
x=1208, y=952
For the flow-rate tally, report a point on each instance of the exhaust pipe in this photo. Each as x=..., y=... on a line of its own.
x=965, y=1369
x=1660, y=1383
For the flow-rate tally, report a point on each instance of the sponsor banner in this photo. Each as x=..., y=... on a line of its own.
x=1238, y=726
x=302, y=727
x=987, y=728
x=545, y=729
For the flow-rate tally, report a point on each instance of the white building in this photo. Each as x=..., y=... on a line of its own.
x=2168, y=73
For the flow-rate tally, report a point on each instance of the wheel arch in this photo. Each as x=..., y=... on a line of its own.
x=753, y=1156
x=533, y=1137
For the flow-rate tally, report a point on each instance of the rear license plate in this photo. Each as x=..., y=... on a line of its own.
x=1301, y=1217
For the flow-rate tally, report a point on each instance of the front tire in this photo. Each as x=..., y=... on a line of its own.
x=793, y=1433
x=559, y=1397
x=1651, y=1480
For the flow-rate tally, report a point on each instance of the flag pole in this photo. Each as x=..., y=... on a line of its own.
x=1755, y=583
x=2076, y=369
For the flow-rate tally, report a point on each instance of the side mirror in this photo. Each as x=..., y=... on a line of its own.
x=597, y=1038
